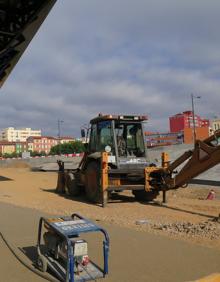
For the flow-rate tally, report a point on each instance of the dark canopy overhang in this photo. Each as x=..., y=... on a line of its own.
x=19, y=21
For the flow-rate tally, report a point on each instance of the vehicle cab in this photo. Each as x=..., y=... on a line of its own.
x=122, y=137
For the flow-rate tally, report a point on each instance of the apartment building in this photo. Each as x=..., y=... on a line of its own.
x=11, y=134
x=215, y=124
x=184, y=120
x=7, y=147
x=41, y=143
x=12, y=147
x=66, y=139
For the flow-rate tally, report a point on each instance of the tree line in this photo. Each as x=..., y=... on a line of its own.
x=75, y=147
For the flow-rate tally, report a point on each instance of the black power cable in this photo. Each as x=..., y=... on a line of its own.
x=22, y=261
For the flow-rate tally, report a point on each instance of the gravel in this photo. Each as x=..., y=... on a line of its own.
x=208, y=229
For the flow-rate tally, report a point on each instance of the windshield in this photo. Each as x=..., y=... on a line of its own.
x=101, y=136
x=129, y=139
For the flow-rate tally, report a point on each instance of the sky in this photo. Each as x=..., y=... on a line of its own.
x=116, y=57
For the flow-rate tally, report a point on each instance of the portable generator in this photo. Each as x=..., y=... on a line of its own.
x=62, y=250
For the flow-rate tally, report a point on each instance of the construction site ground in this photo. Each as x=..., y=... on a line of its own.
x=151, y=238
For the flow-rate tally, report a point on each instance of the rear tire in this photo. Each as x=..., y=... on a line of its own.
x=142, y=195
x=71, y=186
x=93, y=182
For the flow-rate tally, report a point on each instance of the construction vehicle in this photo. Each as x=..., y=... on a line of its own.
x=115, y=167
x=116, y=160
x=19, y=21
x=62, y=249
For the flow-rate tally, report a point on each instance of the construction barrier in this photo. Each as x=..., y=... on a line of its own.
x=50, y=156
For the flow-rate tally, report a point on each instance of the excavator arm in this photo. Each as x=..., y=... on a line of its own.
x=19, y=22
x=205, y=155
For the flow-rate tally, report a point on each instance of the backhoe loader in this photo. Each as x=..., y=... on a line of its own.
x=116, y=160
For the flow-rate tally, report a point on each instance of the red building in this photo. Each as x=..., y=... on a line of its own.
x=41, y=144
x=184, y=120
x=201, y=134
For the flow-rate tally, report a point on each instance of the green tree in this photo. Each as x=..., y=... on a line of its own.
x=11, y=155
x=74, y=147
x=37, y=154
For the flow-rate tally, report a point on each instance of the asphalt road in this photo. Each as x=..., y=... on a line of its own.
x=134, y=256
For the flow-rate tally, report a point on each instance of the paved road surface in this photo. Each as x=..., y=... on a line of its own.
x=135, y=256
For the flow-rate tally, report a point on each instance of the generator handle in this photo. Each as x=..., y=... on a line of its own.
x=100, y=228
x=39, y=235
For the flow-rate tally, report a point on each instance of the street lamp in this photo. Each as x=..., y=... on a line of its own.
x=193, y=113
x=59, y=132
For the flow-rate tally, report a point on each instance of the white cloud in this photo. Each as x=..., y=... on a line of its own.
x=119, y=56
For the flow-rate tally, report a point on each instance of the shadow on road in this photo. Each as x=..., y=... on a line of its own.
x=159, y=204
x=120, y=198
x=3, y=178
x=30, y=252
x=115, y=198
x=205, y=182
x=81, y=198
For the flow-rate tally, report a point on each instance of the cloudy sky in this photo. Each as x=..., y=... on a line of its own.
x=117, y=56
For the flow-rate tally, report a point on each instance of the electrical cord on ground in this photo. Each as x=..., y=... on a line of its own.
x=30, y=267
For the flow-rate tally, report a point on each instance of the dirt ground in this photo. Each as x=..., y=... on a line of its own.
x=186, y=215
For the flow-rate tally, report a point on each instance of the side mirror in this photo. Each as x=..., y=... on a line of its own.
x=83, y=133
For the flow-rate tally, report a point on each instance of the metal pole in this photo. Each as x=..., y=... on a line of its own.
x=59, y=133
x=194, y=125
x=164, y=197
x=193, y=113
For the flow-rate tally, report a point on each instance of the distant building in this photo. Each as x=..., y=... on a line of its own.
x=215, y=124
x=183, y=123
x=12, y=147
x=201, y=134
x=83, y=139
x=11, y=134
x=7, y=147
x=184, y=120
x=66, y=139
x=155, y=139
x=41, y=144
x=21, y=147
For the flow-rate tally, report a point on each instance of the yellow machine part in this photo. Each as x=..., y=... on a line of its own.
x=147, y=172
x=211, y=278
x=104, y=171
x=52, y=220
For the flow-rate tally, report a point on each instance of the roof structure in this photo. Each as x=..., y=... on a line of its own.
x=19, y=22
x=104, y=117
